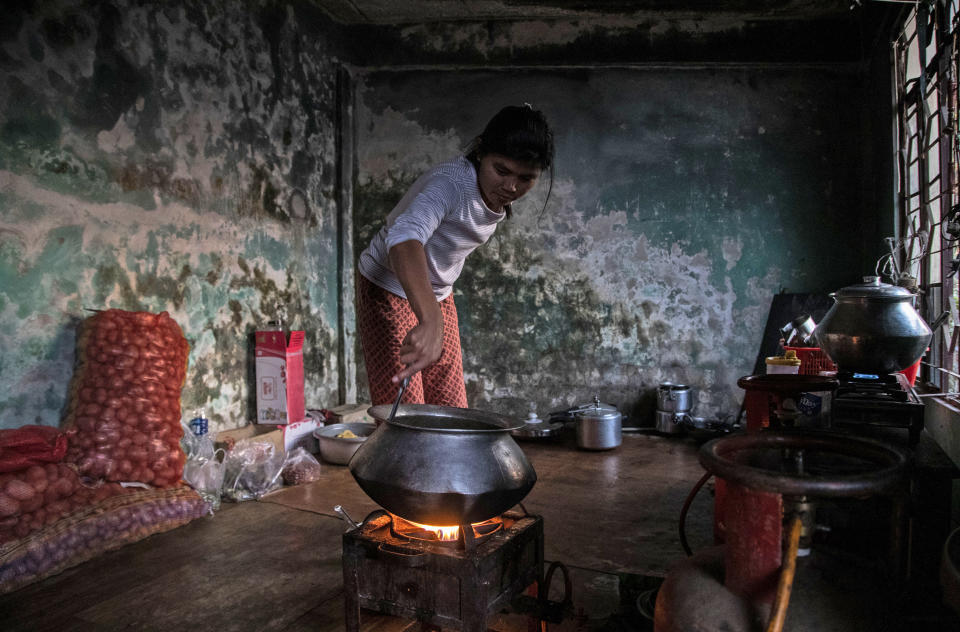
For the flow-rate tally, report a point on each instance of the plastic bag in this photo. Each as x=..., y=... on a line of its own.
x=300, y=467
x=196, y=447
x=251, y=469
x=206, y=476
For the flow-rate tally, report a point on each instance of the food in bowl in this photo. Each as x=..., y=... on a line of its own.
x=338, y=442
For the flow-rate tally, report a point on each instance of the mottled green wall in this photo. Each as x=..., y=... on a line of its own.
x=684, y=198
x=174, y=156
x=184, y=156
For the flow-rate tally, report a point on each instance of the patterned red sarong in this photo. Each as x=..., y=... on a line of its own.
x=383, y=319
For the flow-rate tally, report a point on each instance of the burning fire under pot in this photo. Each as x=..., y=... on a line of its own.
x=459, y=468
x=397, y=568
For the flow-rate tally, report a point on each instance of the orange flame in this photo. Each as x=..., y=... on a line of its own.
x=443, y=533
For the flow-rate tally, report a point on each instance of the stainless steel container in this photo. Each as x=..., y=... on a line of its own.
x=668, y=422
x=440, y=465
x=674, y=397
x=599, y=426
x=339, y=450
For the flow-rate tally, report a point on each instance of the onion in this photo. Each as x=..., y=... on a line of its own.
x=33, y=504
x=64, y=487
x=50, y=494
x=20, y=490
x=8, y=506
x=36, y=476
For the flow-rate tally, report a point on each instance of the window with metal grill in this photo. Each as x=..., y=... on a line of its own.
x=924, y=248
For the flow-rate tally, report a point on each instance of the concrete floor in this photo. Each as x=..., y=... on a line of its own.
x=610, y=517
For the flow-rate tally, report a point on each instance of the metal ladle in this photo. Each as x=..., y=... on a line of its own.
x=396, y=404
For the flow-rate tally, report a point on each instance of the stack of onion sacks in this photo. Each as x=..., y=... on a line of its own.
x=123, y=417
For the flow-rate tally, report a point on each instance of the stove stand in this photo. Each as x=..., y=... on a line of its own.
x=439, y=583
x=886, y=400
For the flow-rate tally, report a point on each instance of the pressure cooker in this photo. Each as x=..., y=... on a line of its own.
x=599, y=426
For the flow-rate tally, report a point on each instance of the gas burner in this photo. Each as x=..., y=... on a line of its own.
x=878, y=400
x=873, y=393
x=399, y=568
x=890, y=387
x=455, y=536
x=866, y=378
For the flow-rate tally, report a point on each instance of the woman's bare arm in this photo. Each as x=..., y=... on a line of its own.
x=423, y=345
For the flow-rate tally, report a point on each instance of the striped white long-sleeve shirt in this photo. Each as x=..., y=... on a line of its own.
x=444, y=211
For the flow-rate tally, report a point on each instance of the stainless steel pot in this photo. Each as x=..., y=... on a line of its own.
x=674, y=397
x=599, y=426
x=443, y=466
x=669, y=422
x=873, y=328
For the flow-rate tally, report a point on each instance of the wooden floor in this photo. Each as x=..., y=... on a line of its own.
x=611, y=517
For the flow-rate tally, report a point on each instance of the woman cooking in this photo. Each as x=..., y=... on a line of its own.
x=406, y=317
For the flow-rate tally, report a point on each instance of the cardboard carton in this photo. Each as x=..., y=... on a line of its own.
x=285, y=437
x=351, y=412
x=279, y=368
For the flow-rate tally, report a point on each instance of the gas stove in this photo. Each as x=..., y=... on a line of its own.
x=404, y=569
x=878, y=400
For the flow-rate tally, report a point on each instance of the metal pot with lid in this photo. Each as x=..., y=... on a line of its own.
x=599, y=426
x=873, y=328
x=673, y=397
x=440, y=465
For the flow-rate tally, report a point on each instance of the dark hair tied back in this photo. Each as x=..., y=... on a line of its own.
x=518, y=132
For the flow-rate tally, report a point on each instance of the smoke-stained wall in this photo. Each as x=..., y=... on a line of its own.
x=173, y=156
x=683, y=199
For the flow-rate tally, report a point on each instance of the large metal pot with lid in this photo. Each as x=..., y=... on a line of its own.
x=599, y=426
x=873, y=328
x=440, y=465
x=674, y=397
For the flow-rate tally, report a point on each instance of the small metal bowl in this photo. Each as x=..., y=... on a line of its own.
x=339, y=450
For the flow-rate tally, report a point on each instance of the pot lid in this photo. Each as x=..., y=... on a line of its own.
x=597, y=410
x=541, y=430
x=872, y=288
x=789, y=358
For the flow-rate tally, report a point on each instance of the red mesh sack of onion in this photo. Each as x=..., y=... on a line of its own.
x=42, y=494
x=123, y=414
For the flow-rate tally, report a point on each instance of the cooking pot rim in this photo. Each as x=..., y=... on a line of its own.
x=494, y=423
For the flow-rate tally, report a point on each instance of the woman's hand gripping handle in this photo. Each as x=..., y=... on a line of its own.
x=423, y=344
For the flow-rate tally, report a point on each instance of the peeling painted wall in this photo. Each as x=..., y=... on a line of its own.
x=172, y=156
x=684, y=198
x=182, y=156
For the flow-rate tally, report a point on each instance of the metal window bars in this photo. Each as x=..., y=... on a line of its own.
x=925, y=245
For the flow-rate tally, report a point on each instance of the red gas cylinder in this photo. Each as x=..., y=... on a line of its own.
x=758, y=514
x=766, y=474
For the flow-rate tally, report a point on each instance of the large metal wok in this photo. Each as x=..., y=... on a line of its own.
x=443, y=466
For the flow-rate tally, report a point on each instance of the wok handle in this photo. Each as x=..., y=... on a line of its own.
x=410, y=558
